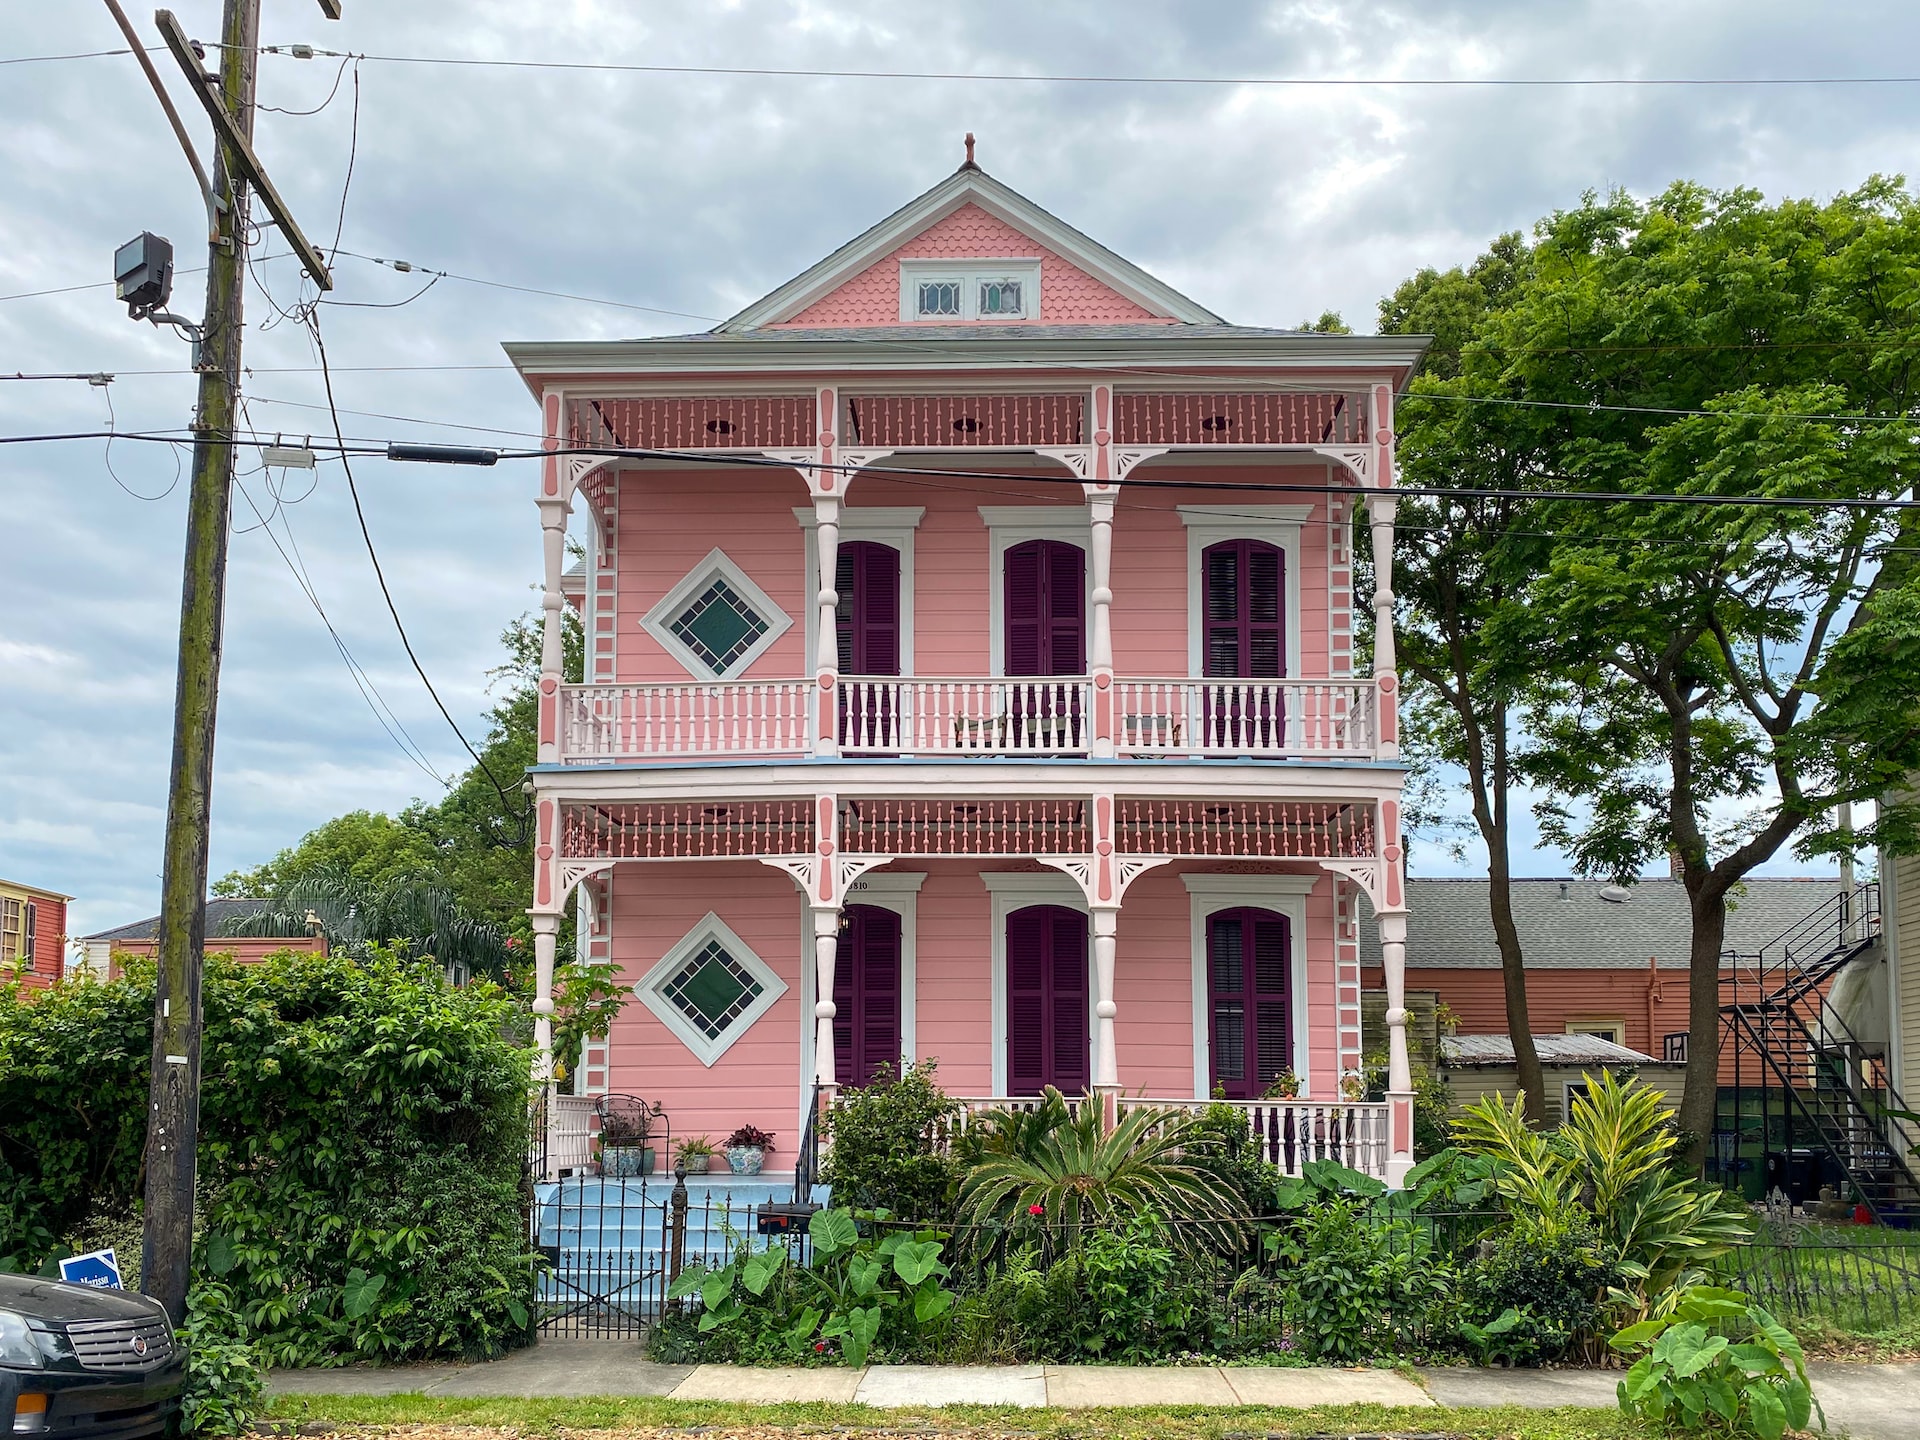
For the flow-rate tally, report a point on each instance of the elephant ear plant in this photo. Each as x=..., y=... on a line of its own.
x=857, y=1287
x=1690, y=1377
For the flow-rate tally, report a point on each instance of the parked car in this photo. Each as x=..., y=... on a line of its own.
x=77, y=1363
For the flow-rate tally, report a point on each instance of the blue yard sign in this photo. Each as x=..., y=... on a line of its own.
x=98, y=1268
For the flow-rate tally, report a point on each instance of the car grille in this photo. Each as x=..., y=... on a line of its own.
x=121, y=1344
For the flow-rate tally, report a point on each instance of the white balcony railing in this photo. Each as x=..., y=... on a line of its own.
x=724, y=717
x=1289, y=1133
x=920, y=716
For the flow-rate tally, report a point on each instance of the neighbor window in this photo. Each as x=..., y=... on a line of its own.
x=10, y=915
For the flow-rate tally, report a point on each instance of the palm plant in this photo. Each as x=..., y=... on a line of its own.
x=1613, y=1159
x=354, y=914
x=1068, y=1173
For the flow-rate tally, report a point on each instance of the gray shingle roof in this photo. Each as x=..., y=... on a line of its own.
x=1495, y=1050
x=1567, y=925
x=218, y=913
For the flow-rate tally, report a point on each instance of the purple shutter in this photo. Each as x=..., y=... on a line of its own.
x=1244, y=583
x=1249, y=1000
x=1026, y=1001
x=1048, y=1036
x=866, y=995
x=1046, y=605
x=867, y=579
x=1072, y=1067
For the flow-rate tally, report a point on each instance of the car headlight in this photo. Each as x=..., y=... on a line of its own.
x=18, y=1347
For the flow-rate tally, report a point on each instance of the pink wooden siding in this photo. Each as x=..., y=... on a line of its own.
x=749, y=515
x=1068, y=295
x=758, y=1079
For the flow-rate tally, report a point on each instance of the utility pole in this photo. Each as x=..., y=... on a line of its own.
x=173, y=1121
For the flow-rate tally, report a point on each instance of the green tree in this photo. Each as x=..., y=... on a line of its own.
x=1727, y=664
x=368, y=846
x=1461, y=564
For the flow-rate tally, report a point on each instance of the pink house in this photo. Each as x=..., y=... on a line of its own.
x=970, y=675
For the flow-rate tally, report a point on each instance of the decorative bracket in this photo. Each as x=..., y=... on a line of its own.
x=1356, y=459
x=574, y=469
x=1080, y=869
x=1364, y=873
x=1127, y=457
x=805, y=871
x=572, y=872
x=1077, y=458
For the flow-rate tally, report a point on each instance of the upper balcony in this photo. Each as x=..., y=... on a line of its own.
x=921, y=717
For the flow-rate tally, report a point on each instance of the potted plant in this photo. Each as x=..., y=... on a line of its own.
x=747, y=1149
x=1284, y=1086
x=625, y=1126
x=694, y=1154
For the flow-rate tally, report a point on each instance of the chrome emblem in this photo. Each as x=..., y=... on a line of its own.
x=139, y=1345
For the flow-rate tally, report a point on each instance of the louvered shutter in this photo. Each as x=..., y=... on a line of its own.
x=867, y=580
x=1024, y=619
x=1249, y=1000
x=866, y=995
x=1071, y=1071
x=1066, y=604
x=1244, y=582
x=1027, y=943
x=1045, y=600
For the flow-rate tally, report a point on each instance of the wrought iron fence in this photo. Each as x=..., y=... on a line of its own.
x=1859, y=1278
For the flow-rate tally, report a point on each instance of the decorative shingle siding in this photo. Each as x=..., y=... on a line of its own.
x=1068, y=295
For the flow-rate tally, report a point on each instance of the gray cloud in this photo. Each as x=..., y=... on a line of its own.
x=700, y=193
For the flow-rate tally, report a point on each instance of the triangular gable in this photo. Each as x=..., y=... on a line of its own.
x=971, y=215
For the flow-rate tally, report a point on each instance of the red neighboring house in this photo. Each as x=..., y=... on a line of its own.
x=33, y=933
x=143, y=938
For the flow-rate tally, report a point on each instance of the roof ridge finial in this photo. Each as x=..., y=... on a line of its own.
x=968, y=163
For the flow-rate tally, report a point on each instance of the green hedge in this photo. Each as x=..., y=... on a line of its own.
x=363, y=1138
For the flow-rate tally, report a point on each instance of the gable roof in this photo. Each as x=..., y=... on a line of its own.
x=1572, y=925
x=969, y=185
x=1494, y=1051
x=219, y=913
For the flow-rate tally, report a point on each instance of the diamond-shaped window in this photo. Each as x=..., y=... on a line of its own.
x=719, y=626
x=709, y=989
x=716, y=621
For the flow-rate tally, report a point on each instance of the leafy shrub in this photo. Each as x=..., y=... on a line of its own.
x=1541, y=1286
x=1610, y=1162
x=357, y=1116
x=885, y=1152
x=1079, y=1176
x=224, y=1376
x=1223, y=1146
x=1689, y=1378
x=1134, y=1304
x=856, y=1288
x=1432, y=1103
x=1344, y=1281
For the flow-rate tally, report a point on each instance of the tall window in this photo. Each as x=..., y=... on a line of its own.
x=1244, y=631
x=1046, y=606
x=866, y=995
x=867, y=579
x=1249, y=1005
x=1048, y=1033
x=10, y=916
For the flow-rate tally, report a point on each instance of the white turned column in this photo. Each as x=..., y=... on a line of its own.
x=826, y=664
x=826, y=949
x=546, y=936
x=1100, y=638
x=1393, y=961
x=553, y=535
x=1106, y=1062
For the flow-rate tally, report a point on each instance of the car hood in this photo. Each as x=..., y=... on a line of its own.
x=56, y=1303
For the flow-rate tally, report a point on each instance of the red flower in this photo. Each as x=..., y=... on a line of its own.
x=820, y=1347
x=1036, y=1209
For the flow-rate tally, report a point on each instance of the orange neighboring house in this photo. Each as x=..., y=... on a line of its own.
x=33, y=933
x=143, y=938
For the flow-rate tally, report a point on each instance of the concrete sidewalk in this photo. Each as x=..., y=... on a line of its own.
x=1872, y=1402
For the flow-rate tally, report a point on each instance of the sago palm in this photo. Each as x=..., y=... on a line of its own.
x=1068, y=1174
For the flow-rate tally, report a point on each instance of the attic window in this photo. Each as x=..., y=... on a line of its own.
x=996, y=290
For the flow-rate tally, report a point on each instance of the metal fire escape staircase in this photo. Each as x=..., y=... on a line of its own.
x=1781, y=1032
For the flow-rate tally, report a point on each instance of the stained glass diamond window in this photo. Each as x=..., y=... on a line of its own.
x=712, y=990
x=719, y=626
x=1000, y=297
x=940, y=297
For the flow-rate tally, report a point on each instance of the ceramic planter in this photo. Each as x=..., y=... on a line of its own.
x=627, y=1162
x=697, y=1164
x=745, y=1159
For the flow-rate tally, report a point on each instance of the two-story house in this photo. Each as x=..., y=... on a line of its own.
x=33, y=934
x=970, y=675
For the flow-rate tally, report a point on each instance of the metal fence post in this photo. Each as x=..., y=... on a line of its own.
x=677, y=1229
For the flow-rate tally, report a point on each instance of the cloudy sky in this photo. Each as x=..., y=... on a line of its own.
x=697, y=193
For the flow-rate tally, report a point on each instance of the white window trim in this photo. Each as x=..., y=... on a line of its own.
x=1284, y=895
x=1010, y=891
x=886, y=524
x=1277, y=525
x=1010, y=525
x=647, y=988
x=969, y=272
x=899, y=893
x=658, y=621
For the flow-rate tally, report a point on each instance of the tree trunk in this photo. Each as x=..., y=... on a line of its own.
x=1700, y=1102
x=1487, y=774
